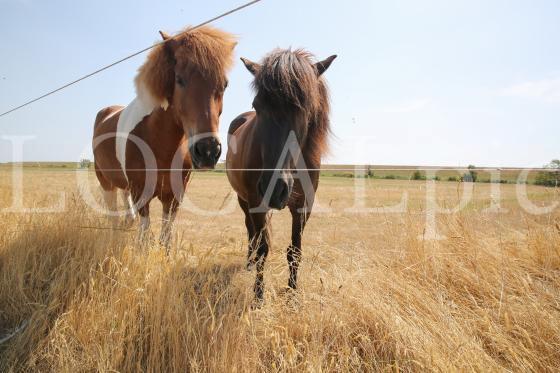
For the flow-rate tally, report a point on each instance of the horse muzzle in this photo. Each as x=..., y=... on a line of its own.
x=206, y=152
x=275, y=196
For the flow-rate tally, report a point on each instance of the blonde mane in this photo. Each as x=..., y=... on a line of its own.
x=208, y=49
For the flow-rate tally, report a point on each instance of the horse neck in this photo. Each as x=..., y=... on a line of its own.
x=163, y=126
x=309, y=152
x=316, y=144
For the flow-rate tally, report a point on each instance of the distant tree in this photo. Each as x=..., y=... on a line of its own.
x=551, y=177
x=369, y=172
x=85, y=163
x=473, y=174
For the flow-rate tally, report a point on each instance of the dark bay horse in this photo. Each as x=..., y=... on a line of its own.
x=148, y=148
x=274, y=152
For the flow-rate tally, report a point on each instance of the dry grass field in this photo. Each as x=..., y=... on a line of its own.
x=374, y=295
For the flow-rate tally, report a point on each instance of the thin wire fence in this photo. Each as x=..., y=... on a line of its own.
x=326, y=169
x=246, y=5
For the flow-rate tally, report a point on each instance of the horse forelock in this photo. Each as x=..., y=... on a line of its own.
x=207, y=49
x=289, y=78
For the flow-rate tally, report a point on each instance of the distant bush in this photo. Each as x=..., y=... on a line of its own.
x=453, y=178
x=547, y=178
x=417, y=175
x=390, y=177
x=490, y=181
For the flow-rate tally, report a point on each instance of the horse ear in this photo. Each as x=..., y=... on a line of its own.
x=253, y=67
x=164, y=35
x=169, y=40
x=322, y=66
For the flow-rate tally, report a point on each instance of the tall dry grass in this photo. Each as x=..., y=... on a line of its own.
x=374, y=296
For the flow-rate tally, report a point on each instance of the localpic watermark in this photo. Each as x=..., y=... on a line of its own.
x=290, y=162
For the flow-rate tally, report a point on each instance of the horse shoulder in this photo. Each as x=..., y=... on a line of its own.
x=240, y=154
x=240, y=121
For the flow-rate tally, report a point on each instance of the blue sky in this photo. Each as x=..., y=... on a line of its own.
x=429, y=82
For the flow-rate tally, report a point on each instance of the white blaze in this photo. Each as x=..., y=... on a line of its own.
x=140, y=107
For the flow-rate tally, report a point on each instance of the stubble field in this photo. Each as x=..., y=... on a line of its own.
x=375, y=293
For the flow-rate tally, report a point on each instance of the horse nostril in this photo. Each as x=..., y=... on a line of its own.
x=199, y=149
x=283, y=190
x=218, y=151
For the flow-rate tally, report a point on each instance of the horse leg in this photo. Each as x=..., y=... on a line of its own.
x=299, y=219
x=250, y=233
x=168, y=217
x=130, y=208
x=110, y=198
x=300, y=209
x=144, y=229
x=261, y=242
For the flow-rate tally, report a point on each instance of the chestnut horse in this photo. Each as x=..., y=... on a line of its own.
x=148, y=148
x=274, y=152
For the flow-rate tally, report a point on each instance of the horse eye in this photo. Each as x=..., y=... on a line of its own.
x=180, y=81
x=226, y=84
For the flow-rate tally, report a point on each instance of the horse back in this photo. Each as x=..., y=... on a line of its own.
x=104, y=115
